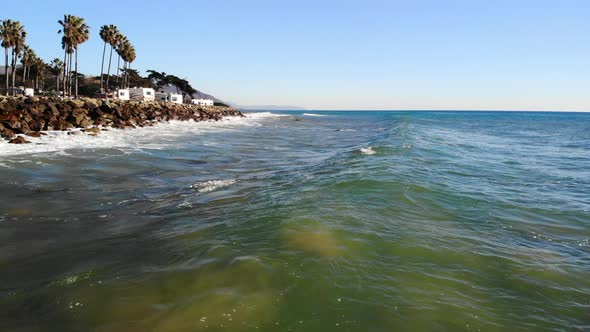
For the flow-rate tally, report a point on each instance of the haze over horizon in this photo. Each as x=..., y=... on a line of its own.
x=525, y=55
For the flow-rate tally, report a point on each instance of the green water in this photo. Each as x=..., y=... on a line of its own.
x=346, y=222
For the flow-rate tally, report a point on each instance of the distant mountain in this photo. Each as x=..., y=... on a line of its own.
x=269, y=107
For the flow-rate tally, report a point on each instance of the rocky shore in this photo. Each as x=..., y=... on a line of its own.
x=32, y=115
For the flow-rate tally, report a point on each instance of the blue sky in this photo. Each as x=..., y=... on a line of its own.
x=423, y=54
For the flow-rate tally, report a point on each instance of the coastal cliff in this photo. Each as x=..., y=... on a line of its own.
x=30, y=116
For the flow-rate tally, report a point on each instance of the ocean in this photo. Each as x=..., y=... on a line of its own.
x=302, y=221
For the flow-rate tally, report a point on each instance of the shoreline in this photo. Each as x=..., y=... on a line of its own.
x=24, y=117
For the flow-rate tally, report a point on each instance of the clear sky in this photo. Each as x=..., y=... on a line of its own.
x=419, y=54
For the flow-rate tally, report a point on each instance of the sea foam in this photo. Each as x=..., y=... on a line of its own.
x=159, y=136
x=209, y=186
x=368, y=150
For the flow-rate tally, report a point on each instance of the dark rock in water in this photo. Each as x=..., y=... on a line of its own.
x=37, y=124
x=6, y=132
x=34, y=134
x=19, y=140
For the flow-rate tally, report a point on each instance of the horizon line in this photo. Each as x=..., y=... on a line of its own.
x=415, y=110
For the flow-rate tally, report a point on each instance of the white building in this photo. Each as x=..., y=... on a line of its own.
x=169, y=97
x=202, y=102
x=122, y=94
x=142, y=94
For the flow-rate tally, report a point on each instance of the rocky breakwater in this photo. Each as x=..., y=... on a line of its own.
x=31, y=116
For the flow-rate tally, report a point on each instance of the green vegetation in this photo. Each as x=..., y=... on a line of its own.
x=63, y=75
x=160, y=80
x=13, y=37
x=75, y=32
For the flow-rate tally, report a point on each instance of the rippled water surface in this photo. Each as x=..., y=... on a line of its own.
x=323, y=221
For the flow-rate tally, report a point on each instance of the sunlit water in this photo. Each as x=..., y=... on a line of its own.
x=363, y=221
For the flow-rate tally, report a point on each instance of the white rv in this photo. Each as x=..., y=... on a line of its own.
x=142, y=94
x=202, y=102
x=169, y=97
x=122, y=94
x=29, y=92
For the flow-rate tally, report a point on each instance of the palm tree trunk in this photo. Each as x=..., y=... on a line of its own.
x=128, y=73
x=76, y=72
x=6, y=68
x=118, y=65
x=109, y=69
x=104, y=48
x=65, y=72
x=13, y=70
x=57, y=81
x=70, y=74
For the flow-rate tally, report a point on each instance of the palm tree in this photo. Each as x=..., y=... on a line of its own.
x=27, y=59
x=13, y=37
x=107, y=34
x=130, y=58
x=56, y=66
x=122, y=42
x=40, y=68
x=127, y=53
x=18, y=37
x=80, y=34
x=66, y=30
x=6, y=34
x=113, y=38
x=17, y=49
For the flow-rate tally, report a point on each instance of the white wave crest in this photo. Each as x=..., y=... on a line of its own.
x=368, y=150
x=159, y=136
x=312, y=114
x=259, y=115
x=209, y=186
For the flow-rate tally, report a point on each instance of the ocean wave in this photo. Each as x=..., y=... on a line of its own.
x=312, y=114
x=159, y=136
x=209, y=186
x=368, y=150
x=258, y=115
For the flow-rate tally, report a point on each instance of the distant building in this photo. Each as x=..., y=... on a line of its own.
x=122, y=94
x=142, y=94
x=169, y=97
x=202, y=102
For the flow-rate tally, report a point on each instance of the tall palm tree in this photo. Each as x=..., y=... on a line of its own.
x=130, y=57
x=18, y=37
x=127, y=53
x=27, y=59
x=40, y=68
x=80, y=34
x=113, y=38
x=56, y=66
x=6, y=34
x=107, y=34
x=122, y=42
x=66, y=30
